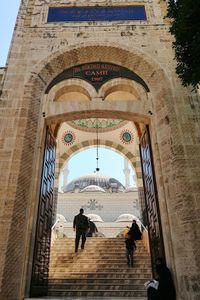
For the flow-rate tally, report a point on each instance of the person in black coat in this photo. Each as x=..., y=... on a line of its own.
x=81, y=226
x=135, y=231
x=166, y=289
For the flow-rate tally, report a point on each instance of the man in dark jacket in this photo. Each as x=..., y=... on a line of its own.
x=81, y=226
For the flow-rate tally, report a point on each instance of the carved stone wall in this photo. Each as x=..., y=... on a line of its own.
x=39, y=52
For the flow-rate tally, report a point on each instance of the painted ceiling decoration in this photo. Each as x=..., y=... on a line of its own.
x=97, y=73
x=126, y=136
x=90, y=125
x=68, y=138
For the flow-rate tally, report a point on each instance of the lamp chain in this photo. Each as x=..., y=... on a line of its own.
x=97, y=132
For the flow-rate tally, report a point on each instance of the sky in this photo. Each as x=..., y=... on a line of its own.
x=8, y=15
x=84, y=162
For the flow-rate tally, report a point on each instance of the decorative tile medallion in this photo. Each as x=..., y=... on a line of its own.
x=126, y=136
x=68, y=138
x=92, y=204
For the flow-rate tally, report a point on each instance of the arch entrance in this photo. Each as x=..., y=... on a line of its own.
x=50, y=169
x=70, y=99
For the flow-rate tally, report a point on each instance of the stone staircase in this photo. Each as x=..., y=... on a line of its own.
x=100, y=270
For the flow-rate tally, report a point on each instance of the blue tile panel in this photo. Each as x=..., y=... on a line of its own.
x=97, y=13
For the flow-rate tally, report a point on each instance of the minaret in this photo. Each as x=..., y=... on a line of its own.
x=126, y=173
x=65, y=172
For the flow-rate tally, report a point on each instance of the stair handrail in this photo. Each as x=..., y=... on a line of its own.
x=145, y=235
x=54, y=225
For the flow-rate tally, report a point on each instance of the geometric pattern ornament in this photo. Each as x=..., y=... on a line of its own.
x=68, y=138
x=126, y=136
x=92, y=204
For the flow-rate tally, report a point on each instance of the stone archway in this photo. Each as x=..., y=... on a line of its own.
x=136, y=112
x=37, y=118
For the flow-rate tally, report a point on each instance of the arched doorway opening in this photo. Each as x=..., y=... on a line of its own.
x=47, y=196
x=107, y=102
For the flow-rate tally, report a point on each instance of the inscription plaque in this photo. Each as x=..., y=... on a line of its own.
x=97, y=74
x=97, y=13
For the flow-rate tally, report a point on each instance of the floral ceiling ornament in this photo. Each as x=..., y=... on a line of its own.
x=126, y=136
x=68, y=138
x=104, y=125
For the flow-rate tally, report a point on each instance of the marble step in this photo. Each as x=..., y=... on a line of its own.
x=96, y=242
x=57, y=272
x=97, y=281
x=100, y=275
x=90, y=255
x=101, y=264
x=122, y=262
x=100, y=286
x=99, y=252
x=86, y=260
x=96, y=253
x=99, y=293
x=96, y=239
x=63, y=273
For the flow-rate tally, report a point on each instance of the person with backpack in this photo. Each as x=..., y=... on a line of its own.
x=92, y=230
x=81, y=226
x=130, y=248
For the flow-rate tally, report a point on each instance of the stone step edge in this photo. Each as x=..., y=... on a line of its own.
x=103, y=272
x=103, y=290
x=92, y=274
x=90, y=278
x=83, y=284
x=109, y=262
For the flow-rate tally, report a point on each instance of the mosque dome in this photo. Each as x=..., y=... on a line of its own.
x=60, y=218
x=94, y=218
x=106, y=183
x=92, y=188
x=126, y=218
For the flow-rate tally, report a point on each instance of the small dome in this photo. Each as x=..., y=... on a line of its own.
x=94, y=218
x=60, y=218
x=92, y=188
x=126, y=218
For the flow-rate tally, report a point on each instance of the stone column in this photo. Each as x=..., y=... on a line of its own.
x=126, y=173
x=65, y=172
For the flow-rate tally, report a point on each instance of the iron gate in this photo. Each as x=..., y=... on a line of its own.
x=151, y=199
x=39, y=280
